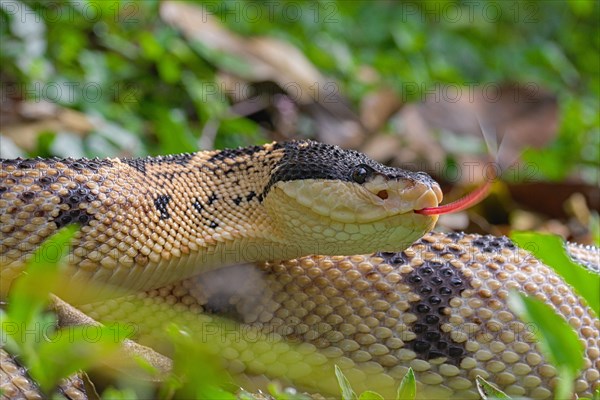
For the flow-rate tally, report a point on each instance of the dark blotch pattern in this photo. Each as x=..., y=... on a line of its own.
x=161, y=203
x=75, y=199
x=234, y=153
x=136, y=163
x=74, y=214
x=492, y=244
x=141, y=164
x=78, y=164
x=436, y=284
x=197, y=205
x=211, y=199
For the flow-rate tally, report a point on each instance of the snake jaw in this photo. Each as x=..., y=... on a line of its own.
x=347, y=202
x=343, y=217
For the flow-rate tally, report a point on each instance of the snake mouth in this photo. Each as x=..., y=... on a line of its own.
x=400, y=197
x=430, y=198
x=347, y=202
x=459, y=205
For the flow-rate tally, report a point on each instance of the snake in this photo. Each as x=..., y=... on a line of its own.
x=320, y=250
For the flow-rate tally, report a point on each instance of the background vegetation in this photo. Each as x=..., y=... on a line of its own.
x=148, y=75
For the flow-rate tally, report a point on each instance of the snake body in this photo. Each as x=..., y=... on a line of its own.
x=438, y=305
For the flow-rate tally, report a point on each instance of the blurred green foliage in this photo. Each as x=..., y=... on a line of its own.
x=28, y=331
x=406, y=391
x=130, y=68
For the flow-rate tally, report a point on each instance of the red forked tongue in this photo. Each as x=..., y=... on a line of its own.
x=461, y=204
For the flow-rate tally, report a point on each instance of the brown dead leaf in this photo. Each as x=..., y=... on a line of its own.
x=42, y=116
x=415, y=134
x=377, y=107
x=383, y=148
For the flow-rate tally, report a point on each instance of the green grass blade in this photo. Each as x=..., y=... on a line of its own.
x=487, y=391
x=408, y=386
x=347, y=391
x=370, y=395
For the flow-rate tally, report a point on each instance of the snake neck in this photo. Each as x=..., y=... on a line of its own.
x=182, y=213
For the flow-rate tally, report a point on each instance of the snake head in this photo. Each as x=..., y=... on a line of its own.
x=346, y=201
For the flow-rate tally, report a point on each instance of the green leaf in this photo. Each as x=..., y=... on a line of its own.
x=557, y=339
x=151, y=48
x=196, y=372
x=44, y=142
x=347, y=392
x=72, y=349
x=29, y=295
x=408, y=387
x=169, y=70
x=370, y=395
x=550, y=249
x=488, y=391
x=51, y=354
x=173, y=131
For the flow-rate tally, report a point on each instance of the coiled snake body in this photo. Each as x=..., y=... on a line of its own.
x=438, y=305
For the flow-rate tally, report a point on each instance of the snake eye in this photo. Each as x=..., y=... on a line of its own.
x=360, y=173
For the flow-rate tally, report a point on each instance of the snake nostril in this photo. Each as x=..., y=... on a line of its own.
x=382, y=194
